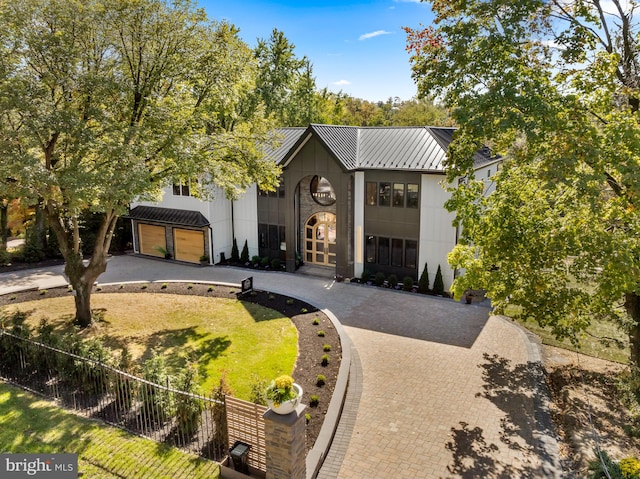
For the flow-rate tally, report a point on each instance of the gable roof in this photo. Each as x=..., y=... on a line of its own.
x=409, y=148
x=286, y=138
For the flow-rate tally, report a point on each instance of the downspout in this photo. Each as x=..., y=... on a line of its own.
x=135, y=237
x=233, y=224
x=211, y=261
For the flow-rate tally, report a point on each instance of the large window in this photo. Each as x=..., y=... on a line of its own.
x=274, y=238
x=383, y=250
x=410, y=253
x=384, y=194
x=263, y=235
x=396, y=252
x=398, y=195
x=372, y=196
x=412, y=195
x=370, y=249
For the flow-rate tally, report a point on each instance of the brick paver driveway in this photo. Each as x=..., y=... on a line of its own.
x=438, y=388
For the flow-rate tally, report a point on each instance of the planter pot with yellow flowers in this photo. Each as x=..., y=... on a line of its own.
x=283, y=395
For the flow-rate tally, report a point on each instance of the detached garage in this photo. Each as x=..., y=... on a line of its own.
x=172, y=233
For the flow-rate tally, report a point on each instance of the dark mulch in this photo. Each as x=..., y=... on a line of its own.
x=22, y=265
x=310, y=345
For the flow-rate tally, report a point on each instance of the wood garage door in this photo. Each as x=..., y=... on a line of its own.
x=189, y=244
x=152, y=238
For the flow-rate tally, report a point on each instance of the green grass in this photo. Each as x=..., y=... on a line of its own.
x=221, y=335
x=590, y=342
x=31, y=425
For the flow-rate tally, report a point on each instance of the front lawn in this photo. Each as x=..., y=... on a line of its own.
x=219, y=334
x=31, y=425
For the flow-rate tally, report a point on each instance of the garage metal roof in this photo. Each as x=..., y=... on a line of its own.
x=169, y=216
x=409, y=148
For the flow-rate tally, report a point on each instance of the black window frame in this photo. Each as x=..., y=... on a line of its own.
x=384, y=252
x=384, y=193
x=397, y=201
x=411, y=198
x=409, y=245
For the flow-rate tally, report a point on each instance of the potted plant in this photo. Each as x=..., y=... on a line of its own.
x=163, y=251
x=283, y=395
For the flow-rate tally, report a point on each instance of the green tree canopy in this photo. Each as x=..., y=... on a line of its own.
x=106, y=102
x=553, y=86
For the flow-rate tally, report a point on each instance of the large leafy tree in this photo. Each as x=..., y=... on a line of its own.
x=553, y=85
x=285, y=84
x=104, y=102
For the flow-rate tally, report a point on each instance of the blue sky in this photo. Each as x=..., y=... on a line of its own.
x=357, y=47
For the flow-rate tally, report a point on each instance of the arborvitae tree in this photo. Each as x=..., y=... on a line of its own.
x=438, y=284
x=423, y=283
x=32, y=252
x=53, y=248
x=235, y=255
x=244, y=256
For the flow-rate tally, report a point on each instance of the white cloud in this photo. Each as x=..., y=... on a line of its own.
x=341, y=83
x=377, y=33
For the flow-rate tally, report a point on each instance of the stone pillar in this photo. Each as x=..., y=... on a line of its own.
x=285, y=444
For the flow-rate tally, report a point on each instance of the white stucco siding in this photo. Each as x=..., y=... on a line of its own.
x=245, y=219
x=437, y=235
x=219, y=215
x=169, y=200
x=487, y=174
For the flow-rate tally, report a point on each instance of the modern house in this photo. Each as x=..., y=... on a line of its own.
x=350, y=199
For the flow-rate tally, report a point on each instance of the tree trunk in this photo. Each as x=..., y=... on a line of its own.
x=632, y=305
x=82, y=279
x=4, y=216
x=81, y=276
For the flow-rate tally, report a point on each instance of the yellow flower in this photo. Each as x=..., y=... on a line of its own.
x=284, y=382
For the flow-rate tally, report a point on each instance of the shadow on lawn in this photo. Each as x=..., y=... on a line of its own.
x=31, y=419
x=187, y=343
x=516, y=390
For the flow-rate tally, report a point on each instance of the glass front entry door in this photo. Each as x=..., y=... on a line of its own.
x=320, y=239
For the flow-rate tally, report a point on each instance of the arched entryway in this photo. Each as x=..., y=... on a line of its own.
x=320, y=239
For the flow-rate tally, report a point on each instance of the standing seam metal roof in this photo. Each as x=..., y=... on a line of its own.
x=379, y=148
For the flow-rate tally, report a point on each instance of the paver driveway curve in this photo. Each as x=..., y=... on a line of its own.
x=438, y=388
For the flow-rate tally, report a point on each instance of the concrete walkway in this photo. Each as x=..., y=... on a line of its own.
x=437, y=388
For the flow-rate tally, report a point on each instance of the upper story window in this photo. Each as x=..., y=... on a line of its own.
x=372, y=193
x=384, y=194
x=397, y=195
x=181, y=189
x=412, y=195
x=321, y=191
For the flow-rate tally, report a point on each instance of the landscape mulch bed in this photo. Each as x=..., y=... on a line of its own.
x=310, y=345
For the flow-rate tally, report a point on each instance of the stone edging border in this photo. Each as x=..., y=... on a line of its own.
x=544, y=429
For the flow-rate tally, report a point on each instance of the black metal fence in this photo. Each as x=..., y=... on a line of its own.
x=191, y=422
